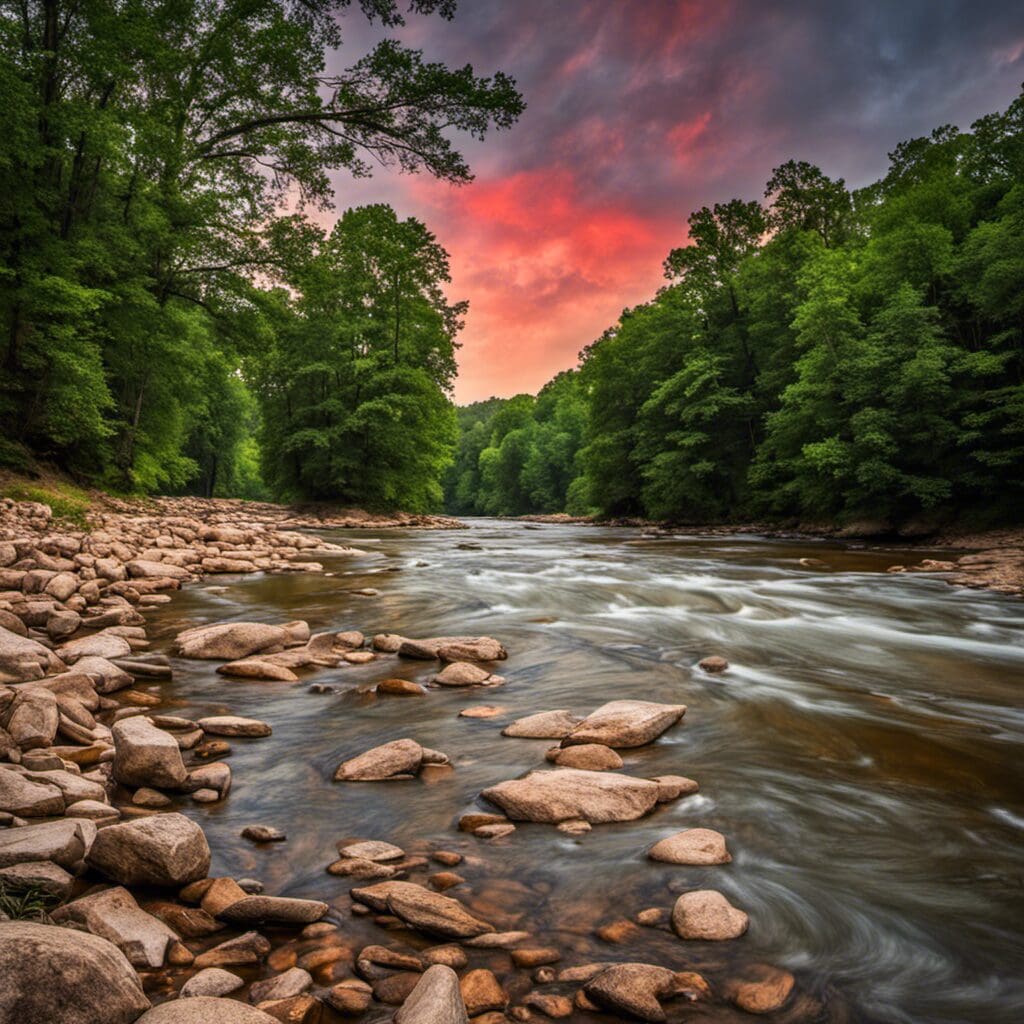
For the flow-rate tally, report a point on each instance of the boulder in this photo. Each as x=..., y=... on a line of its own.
x=707, y=914
x=693, y=846
x=278, y=909
x=40, y=875
x=399, y=757
x=544, y=725
x=28, y=799
x=114, y=915
x=571, y=793
x=594, y=757
x=625, y=723
x=436, y=999
x=141, y=568
x=205, y=1010
x=59, y=976
x=107, y=676
x=65, y=842
x=146, y=756
x=637, y=989
x=429, y=911
x=233, y=725
x=165, y=849
x=32, y=718
x=23, y=659
x=228, y=641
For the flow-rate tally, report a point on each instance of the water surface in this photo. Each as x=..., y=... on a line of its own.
x=862, y=755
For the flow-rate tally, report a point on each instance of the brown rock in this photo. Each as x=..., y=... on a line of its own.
x=714, y=663
x=436, y=999
x=618, y=931
x=625, y=723
x=279, y=909
x=637, y=989
x=707, y=914
x=229, y=641
x=399, y=757
x=220, y=895
x=760, y=988
x=590, y=756
x=536, y=956
x=165, y=849
x=545, y=725
x=249, y=948
x=693, y=846
x=671, y=787
x=400, y=688
x=429, y=911
x=481, y=992
x=551, y=1005
x=146, y=756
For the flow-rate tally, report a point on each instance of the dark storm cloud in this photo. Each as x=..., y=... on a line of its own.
x=641, y=111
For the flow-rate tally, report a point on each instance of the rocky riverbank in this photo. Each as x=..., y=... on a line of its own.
x=115, y=917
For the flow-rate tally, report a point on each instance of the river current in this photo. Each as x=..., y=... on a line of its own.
x=862, y=755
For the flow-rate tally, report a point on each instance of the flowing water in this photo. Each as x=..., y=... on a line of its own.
x=862, y=755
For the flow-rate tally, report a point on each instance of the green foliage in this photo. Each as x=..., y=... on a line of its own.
x=827, y=356
x=68, y=503
x=150, y=156
x=25, y=903
x=354, y=386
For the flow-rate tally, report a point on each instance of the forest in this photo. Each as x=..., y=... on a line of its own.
x=824, y=355
x=176, y=320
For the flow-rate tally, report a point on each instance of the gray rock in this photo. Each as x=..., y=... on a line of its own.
x=38, y=874
x=23, y=659
x=33, y=718
x=59, y=976
x=292, y=982
x=26, y=798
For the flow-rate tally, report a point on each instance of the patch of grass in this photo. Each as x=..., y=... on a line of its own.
x=25, y=903
x=69, y=504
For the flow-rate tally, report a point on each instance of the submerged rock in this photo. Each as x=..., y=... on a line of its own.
x=625, y=723
x=637, y=989
x=760, y=988
x=571, y=793
x=714, y=664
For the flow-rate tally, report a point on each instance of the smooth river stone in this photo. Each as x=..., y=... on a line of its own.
x=693, y=846
x=569, y=794
x=625, y=723
x=429, y=911
x=707, y=914
x=399, y=757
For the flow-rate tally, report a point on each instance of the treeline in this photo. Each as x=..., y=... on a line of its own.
x=171, y=319
x=823, y=355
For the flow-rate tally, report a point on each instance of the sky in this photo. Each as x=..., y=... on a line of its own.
x=640, y=111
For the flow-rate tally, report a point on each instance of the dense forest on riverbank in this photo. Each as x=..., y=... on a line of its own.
x=173, y=319
x=825, y=354
x=176, y=321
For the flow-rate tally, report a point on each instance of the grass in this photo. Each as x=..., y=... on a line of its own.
x=27, y=903
x=69, y=503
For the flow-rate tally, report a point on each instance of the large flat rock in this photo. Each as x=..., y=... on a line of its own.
x=229, y=641
x=571, y=794
x=65, y=842
x=625, y=723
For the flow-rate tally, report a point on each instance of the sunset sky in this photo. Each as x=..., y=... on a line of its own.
x=639, y=112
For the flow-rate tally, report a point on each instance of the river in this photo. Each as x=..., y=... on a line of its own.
x=863, y=754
